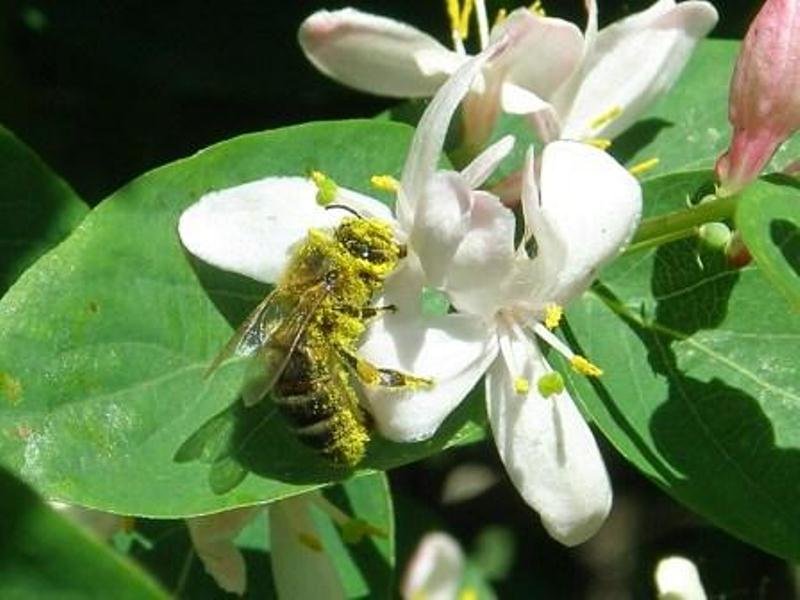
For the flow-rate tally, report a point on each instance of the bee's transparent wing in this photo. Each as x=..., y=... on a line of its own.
x=253, y=333
x=274, y=355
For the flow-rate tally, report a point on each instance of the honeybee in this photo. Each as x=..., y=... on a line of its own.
x=303, y=336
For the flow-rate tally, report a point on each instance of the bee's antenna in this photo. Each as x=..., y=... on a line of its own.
x=343, y=207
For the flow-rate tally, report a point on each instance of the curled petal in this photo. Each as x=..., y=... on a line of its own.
x=213, y=537
x=423, y=155
x=589, y=207
x=375, y=54
x=542, y=115
x=435, y=570
x=250, y=228
x=677, y=578
x=633, y=62
x=301, y=566
x=452, y=350
x=547, y=448
x=481, y=168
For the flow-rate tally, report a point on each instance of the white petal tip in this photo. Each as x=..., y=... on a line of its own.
x=677, y=578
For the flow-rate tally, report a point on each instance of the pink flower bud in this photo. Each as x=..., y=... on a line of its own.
x=765, y=93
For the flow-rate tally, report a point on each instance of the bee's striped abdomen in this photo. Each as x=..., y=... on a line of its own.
x=311, y=402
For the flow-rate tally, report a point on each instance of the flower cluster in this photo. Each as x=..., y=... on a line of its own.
x=507, y=283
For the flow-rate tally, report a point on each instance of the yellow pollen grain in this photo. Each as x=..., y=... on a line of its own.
x=606, y=117
x=500, y=17
x=310, y=541
x=601, y=143
x=326, y=187
x=468, y=593
x=537, y=8
x=521, y=386
x=385, y=183
x=552, y=316
x=584, y=367
x=643, y=166
x=550, y=384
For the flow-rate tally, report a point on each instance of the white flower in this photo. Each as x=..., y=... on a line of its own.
x=301, y=567
x=677, y=578
x=435, y=570
x=571, y=86
x=251, y=229
x=585, y=209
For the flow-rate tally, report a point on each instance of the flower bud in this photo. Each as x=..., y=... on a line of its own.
x=765, y=94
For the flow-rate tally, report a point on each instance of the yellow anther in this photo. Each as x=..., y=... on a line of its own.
x=602, y=143
x=326, y=187
x=386, y=183
x=468, y=593
x=606, y=117
x=552, y=316
x=584, y=367
x=500, y=17
x=643, y=166
x=459, y=17
x=521, y=386
x=550, y=384
x=310, y=541
x=537, y=8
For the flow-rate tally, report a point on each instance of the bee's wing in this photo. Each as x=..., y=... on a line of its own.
x=253, y=333
x=274, y=354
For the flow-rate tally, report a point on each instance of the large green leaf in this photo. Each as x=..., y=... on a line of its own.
x=43, y=555
x=108, y=336
x=37, y=209
x=688, y=128
x=701, y=390
x=769, y=220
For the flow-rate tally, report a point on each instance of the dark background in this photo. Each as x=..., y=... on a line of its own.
x=105, y=90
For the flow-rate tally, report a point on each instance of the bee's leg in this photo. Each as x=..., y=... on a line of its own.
x=369, y=374
x=367, y=313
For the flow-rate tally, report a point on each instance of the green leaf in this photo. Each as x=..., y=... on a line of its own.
x=44, y=555
x=700, y=390
x=37, y=208
x=688, y=128
x=768, y=218
x=107, y=338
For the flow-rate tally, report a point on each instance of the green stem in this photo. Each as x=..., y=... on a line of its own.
x=682, y=223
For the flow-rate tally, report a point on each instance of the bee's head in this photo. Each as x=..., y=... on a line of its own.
x=372, y=243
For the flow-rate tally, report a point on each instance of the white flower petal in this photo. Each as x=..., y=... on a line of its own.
x=467, y=481
x=453, y=350
x=102, y=524
x=529, y=196
x=213, y=537
x=633, y=63
x=300, y=570
x=249, y=229
x=423, y=155
x=589, y=209
x=481, y=168
x=677, y=578
x=375, y=54
x=548, y=450
x=435, y=570
x=533, y=36
x=476, y=277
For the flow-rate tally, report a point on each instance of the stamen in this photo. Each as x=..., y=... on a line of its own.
x=550, y=384
x=463, y=22
x=353, y=530
x=552, y=316
x=454, y=15
x=326, y=188
x=643, y=166
x=584, y=367
x=310, y=541
x=483, y=23
x=537, y=9
x=521, y=386
x=601, y=143
x=553, y=341
x=385, y=183
x=501, y=15
x=606, y=117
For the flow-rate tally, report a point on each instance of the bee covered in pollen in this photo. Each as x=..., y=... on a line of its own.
x=303, y=337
